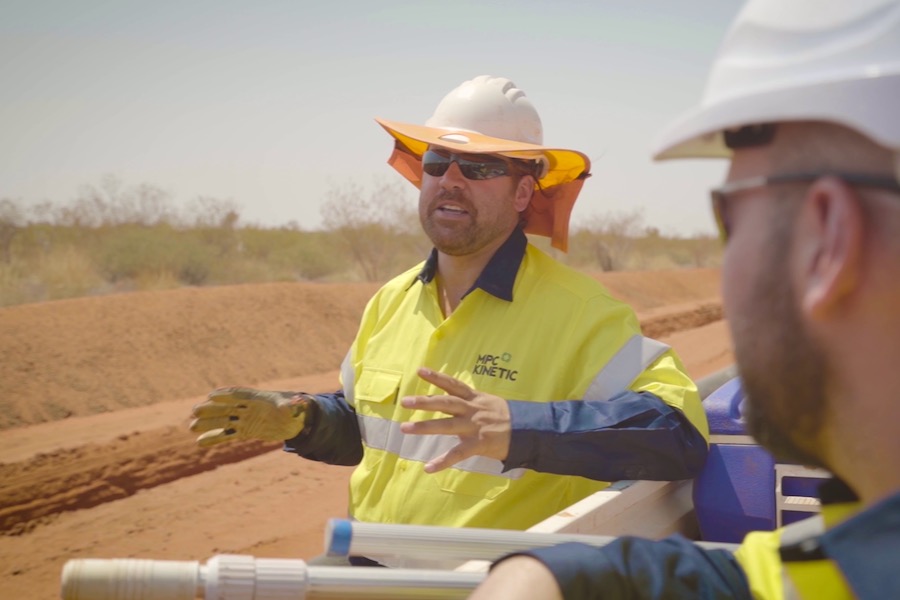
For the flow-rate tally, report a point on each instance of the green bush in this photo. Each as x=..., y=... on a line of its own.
x=294, y=254
x=128, y=251
x=119, y=238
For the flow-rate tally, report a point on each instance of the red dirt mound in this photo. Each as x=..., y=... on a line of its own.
x=88, y=355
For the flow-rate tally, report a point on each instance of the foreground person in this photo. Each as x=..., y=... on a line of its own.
x=804, y=99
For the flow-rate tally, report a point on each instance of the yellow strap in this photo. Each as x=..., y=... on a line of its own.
x=815, y=580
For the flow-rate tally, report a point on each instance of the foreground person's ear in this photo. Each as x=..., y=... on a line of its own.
x=830, y=240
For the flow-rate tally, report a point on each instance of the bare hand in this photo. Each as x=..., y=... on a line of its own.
x=481, y=421
x=518, y=577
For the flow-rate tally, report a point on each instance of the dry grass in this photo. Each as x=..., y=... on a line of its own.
x=68, y=262
x=120, y=238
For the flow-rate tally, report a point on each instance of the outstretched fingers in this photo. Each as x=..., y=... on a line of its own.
x=450, y=405
x=449, y=426
x=451, y=385
x=215, y=436
x=208, y=423
x=209, y=410
x=456, y=454
x=232, y=395
x=224, y=402
x=480, y=420
x=217, y=417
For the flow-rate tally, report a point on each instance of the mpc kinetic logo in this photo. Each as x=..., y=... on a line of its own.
x=496, y=366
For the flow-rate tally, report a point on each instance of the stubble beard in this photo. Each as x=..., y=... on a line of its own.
x=783, y=371
x=463, y=239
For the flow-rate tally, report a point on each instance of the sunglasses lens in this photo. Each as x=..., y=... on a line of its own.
x=482, y=170
x=436, y=165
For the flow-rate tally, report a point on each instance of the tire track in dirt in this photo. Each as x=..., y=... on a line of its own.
x=33, y=491
x=681, y=318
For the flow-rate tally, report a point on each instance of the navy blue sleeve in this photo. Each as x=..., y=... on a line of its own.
x=331, y=434
x=635, y=435
x=638, y=569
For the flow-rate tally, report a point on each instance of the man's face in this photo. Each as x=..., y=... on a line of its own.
x=463, y=216
x=783, y=370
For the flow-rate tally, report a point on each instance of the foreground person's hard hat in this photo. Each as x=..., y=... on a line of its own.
x=799, y=60
x=490, y=115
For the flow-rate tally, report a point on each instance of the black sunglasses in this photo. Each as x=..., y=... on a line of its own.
x=721, y=195
x=436, y=163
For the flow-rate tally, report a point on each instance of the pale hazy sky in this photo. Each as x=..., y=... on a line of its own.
x=271, y=104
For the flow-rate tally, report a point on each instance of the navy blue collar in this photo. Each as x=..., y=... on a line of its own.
x=498, y=276
x=835, y=491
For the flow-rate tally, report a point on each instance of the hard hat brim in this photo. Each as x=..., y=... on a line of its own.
x=554, y=195
x=564, y=165
x=859, y=104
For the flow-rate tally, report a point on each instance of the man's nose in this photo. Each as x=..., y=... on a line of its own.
x=453, y=177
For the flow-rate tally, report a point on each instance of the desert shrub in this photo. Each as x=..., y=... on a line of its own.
x=114, y=237
x=12, y=285
x=63, y=272
x=293, y=254
x=156, y=280
x=128, y=251
x=12, y=219
x=620, y=241
x=194, y=260
x=378, y=229
x=112, y=202
x=68, y=272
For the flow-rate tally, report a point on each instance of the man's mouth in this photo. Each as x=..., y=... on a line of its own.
x=452, y=209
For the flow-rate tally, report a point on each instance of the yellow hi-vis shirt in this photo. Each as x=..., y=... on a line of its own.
x=786, y=564
x=562, y=337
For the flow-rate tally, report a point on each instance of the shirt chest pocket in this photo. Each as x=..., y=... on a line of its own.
x=476, y=485
x=377, y=390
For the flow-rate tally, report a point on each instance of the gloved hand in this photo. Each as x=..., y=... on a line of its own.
x=248, y=414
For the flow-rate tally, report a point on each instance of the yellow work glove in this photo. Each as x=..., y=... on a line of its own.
x=248, y=414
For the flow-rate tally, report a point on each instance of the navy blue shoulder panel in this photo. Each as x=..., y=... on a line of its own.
x=638, y=569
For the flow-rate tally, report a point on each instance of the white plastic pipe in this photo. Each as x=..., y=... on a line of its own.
x=130, y=579
x=373, y=540
x=238, y=577
x=353, y=538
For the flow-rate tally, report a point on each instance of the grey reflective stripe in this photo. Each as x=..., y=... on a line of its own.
x=382, y=434
x=348, y=379
x=735, y=440
x=789, y=592
x=791, y=535
x=811, y=527
x=630, y=361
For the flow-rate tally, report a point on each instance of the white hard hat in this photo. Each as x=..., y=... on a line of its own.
x=490, y=115
x=799, y=60
x=491, y=106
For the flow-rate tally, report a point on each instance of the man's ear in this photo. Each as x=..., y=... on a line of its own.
x=524, y=192
x=830, y=241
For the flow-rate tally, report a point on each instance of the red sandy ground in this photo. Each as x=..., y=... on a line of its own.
x=95, y=457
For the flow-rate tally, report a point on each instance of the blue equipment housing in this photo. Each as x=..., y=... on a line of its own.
x=742, y=488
